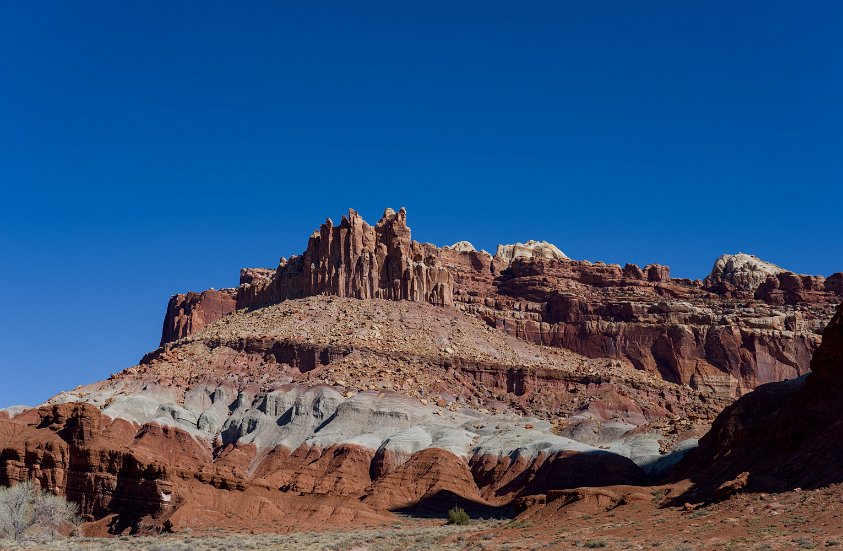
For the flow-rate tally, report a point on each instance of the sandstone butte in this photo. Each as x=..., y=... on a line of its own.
x=375, y=374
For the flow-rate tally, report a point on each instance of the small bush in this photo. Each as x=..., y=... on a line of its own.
x=594, y=544
x=700, y=513
x=25, y=508
x=458, y=516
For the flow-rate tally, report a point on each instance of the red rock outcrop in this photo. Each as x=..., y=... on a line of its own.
x=749, y=323
x=430, y=477
x=503, y=478
x=148, y=479
x=249, y=276
x=790, y=288
x=192, y=312
x=154, y=478
x=780, y=436
x=74, y=450
x=357, y=260
x=672, y=327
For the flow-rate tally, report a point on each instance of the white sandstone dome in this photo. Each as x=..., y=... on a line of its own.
x=461, y=247
x=531, y=249
x=742, y=270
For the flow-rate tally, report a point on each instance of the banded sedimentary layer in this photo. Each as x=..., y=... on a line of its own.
x=375, y=405
x=748, y=323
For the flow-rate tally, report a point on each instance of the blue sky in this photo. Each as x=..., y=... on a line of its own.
x=157, y=147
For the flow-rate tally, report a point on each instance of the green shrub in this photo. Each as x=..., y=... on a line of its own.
x=458, y=516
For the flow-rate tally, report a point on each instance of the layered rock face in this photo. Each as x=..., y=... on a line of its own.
x=679, y=329
x=782, y=435
x=749, y=323
x=192, y=312
x=370, y=405
x=373, y=453
x=357, y=260
x=374, y=373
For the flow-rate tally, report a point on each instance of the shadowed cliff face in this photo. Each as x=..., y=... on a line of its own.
x=782, y=435
x=747, y=324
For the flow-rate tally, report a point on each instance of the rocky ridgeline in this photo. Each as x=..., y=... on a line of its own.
x=748, y=323
x=357, y=260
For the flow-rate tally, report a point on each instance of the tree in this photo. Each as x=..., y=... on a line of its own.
x=25, y=507
x=54, y=512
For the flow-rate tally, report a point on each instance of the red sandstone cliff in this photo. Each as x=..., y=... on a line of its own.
x=261, y=404
x=328, y=402
x=782, y=435
x=192, y=312
x=749, y=323
x=357, y=260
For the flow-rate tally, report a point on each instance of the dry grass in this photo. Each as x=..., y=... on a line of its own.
x=385, y=539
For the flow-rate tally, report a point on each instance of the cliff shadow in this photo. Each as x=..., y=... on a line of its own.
x=780, y=437
x=438, y=504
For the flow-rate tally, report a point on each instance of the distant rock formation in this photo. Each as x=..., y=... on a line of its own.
x=790, y=288
x=672, y=327
x=249, y=276
x=740, y=271
x=461, y=247
x=745, y=276
x=531, y=250
x=781, y=436
x=192, y=312
x=357, y=260
x=750, y=322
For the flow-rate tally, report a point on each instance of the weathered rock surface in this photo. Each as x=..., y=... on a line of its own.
x=531, y=250
x=674, y=328
x=782, y=435
x=357, y=260
x=375, y=373
x=388, y=404
x=461, y=247
x=749, y=323
x=192, y=312
x=741, y=271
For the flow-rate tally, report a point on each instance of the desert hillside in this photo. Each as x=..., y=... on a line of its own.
x=374, y=377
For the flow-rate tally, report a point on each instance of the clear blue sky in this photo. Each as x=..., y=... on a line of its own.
x=151, y=148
